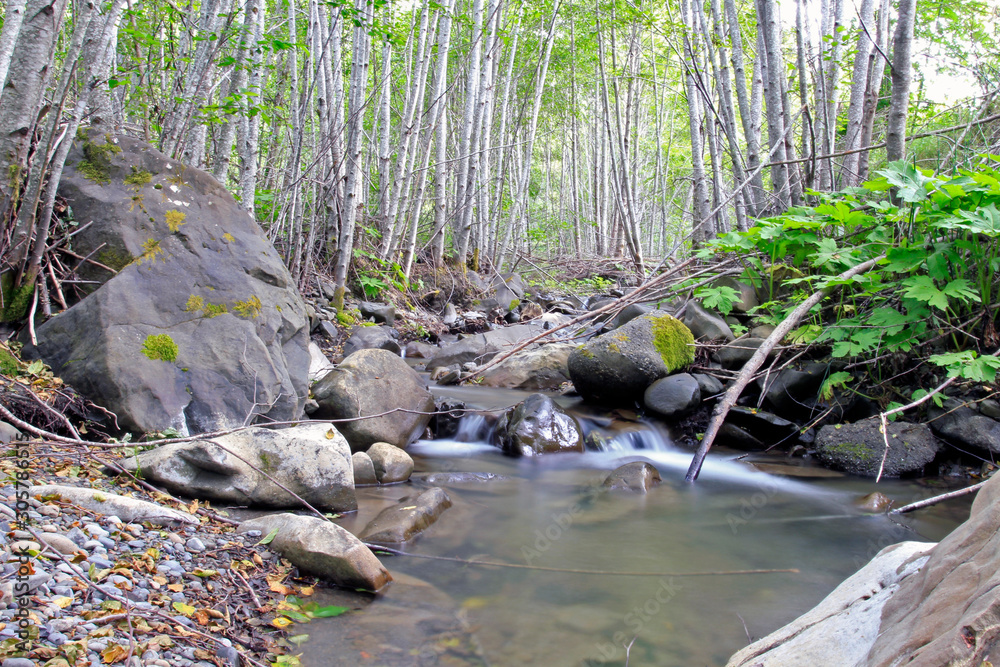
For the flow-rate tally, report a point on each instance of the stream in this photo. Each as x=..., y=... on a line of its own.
x=661, y=568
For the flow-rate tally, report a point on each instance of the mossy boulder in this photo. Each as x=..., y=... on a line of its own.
x=195, y=324
x=858, y=448
x=617, y=367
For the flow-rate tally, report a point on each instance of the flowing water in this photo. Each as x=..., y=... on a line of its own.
x=664, y=572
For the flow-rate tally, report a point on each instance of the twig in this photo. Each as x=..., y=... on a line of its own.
x=755, y=362
x=256, y=600
x=934, y=500
x=884, y=425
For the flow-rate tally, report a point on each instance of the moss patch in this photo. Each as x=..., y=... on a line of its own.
x=250, y=308
x=96, y=163
x=673, y=341
x=8, y=362
x=150, y=249
x=174, y=219
x=138, y=178
x=16, y=300
x=160, y=347
x=851, y=450
x=115, y=258
x=196, y=304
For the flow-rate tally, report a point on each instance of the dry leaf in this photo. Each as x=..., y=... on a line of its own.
x=281, y=622
x=114, y=653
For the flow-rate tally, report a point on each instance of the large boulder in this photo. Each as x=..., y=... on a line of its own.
x=543, y=368
x=704, y=324
x=198, y=325
x=859, y=448
x=537, y=425
x=480, y=348
x=949, y=612
x=250, y=467
x=735, y=354
x=323, y=549
x=372, y=382
x=618, y=366
x=841, y=629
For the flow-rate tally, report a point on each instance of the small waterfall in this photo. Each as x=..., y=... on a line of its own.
x=473, y=428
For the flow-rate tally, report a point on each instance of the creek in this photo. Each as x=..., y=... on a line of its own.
x=551, y=512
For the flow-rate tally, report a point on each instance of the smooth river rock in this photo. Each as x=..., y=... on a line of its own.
x=392, y=465
x=322, y=548
x=859, y=448
x=408, y=518
x=537, y=425
x=125, y=508
x=638, y=476
x=251, y=466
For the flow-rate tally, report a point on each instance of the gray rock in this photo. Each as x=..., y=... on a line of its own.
x=734, y=355
x=418, y=349
x=18, y=662
x=391, y=463
x=8, y=433
x=480, y=348
x=202, y=325
x=543, y=368
x=673, y=396
x=322, y=548
x=793, y=392
x=738, y=438
x=382, y=313
x=538, y=426
x=990, y=408
x=364, y=469
x=638, y=476
x=705, y=325
x=859, y=448
x=195, y=545
x=371, y=382
x=319, y=365
x=408, y=518
x=618, y=366
x=708, y=384
x=631, y=312
x=842, y=628
x=60, y=543
x=313, y=460
x=966, y=428
x=129, y=509
x=764, y=426
x=450, y=315
x=372, y=338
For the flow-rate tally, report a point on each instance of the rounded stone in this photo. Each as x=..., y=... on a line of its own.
x=673, y=396
x=391, y=463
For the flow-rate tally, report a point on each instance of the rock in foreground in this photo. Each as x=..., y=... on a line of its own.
x=312, y=460
x=858, y=448
x=125, y=508
x=323, y=549
x=536, y=426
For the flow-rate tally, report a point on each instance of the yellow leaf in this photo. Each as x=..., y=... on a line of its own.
x=185, y=609
x=411, y=507
x=114, y=653
x=281, y=622
x=331, y=434
x=306, y=591
x=176, y=588
x=62, y=602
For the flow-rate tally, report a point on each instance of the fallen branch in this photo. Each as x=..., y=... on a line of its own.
x=568, y=570
x=934, y=500
x=743, y=379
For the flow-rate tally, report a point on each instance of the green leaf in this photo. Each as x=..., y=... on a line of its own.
x=268, y=538
x=922, y=288
x=838, y=379
x=329, y=611
x=720, y=298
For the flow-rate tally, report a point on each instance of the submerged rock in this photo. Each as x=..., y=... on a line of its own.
x=312, y=460
x=408, y=518
x=543, y=368
x=323, y=549
x=859, y=448
x=617, y=367
x=372, y=382
x=538, y=426
x=638, y=476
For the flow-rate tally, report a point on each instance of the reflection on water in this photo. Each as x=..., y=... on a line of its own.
x=663, y=564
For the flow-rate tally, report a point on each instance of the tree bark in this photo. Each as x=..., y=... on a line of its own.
x=902, y=65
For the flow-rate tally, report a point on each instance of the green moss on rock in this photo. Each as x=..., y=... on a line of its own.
x=853, y=450
x=96, y=163
x=160, y=347
x=673, y=341
x=16, y=300
x=8, y=363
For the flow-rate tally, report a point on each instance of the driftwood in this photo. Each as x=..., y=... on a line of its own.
x=934, y=500
x=743, y=379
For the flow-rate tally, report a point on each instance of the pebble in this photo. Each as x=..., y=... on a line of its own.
x=18, y=662
x=195, y=545
x=95, y=531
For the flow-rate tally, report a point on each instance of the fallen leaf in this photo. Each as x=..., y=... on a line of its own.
x=281, y=622
x=114, y=653
x=176, y=588
x=63, y=601
x=185, y=609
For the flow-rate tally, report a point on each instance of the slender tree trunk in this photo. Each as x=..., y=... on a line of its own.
x=876, y=73
x=859, y=87
x=248, y=134
x=237, y=86
x=771, y=66
x=902, y=65
x=701, y=226
x=12, y=19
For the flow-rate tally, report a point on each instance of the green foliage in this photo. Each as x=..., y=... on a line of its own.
x=249, y=308
x=941, y=240
x=969, y=365
x=720, y=298
x=9, y=366
x=838, y=379
x=160, y=347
